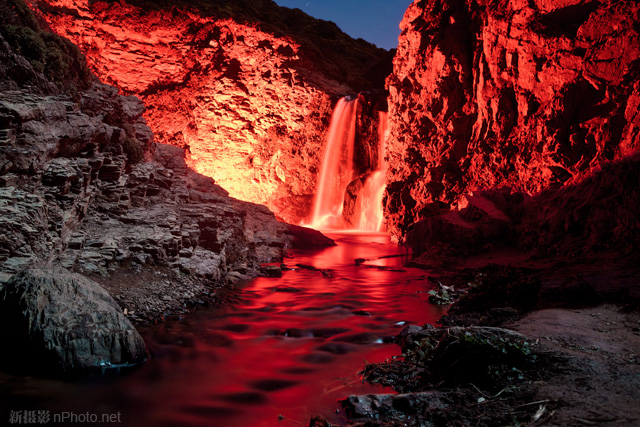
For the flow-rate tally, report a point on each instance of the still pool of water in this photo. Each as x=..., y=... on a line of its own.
x=285, y=350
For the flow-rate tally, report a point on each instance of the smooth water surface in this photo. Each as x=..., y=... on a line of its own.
x=287, y=349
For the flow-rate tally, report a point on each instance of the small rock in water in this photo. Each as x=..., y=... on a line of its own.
x=361, y=313
x=245, y=398
x=335, y=348
x=272, y=271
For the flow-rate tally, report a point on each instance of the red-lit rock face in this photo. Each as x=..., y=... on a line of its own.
x=531, y=95
x=251, y=113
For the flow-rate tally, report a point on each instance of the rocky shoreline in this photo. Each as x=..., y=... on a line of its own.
x=85, y=192
x=507, y=354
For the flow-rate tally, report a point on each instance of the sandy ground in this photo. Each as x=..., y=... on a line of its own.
x=598, y=378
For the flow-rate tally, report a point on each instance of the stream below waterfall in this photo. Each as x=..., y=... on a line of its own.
x=283, y=350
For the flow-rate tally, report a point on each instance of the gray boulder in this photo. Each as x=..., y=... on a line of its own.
x=53, y=319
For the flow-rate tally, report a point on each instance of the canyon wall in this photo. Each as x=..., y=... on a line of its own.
x=531, y=95
x=251, y=108
x=84, y=187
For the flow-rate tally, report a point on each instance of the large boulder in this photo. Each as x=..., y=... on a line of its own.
x=53, y=319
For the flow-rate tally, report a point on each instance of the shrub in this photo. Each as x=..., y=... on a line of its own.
x=28, y=43
x=57, y=58
x=133, y=150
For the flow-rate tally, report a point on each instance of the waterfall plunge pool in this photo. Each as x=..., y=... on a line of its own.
x=284, y=350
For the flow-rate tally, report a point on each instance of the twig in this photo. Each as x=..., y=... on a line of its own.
x=534, y=403
x=583, y=421
x=420, y=365
x=478, y=390
x=500, y=392
x=541, y=411
x=490, y=401
x=595, y=421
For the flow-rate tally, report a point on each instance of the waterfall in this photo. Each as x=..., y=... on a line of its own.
x=337, y=167
x=371, y=213
x=337, y=178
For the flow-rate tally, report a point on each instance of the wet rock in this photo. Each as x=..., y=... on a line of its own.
x=287, y=289
x=64, y=321
x=389, y=405
x=273, y=271
x=307, y=238
x=361, y=313
x=307, y=267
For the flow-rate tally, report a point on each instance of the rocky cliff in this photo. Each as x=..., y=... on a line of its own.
x=530, y=95
x=249, y=98
x=84, y=186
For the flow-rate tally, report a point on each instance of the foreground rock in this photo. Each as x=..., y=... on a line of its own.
x=448, y=375
x=51, y=319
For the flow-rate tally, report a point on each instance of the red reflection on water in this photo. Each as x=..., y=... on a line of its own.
x=291, y=346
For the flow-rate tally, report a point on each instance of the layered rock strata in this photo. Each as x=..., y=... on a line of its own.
x=83, y=186
x=72, y=196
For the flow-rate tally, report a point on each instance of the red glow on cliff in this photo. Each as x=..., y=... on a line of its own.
x=248, y=110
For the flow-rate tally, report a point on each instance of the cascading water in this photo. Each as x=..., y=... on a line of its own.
x=337, y=167
x=371, y=214
x=337, y=176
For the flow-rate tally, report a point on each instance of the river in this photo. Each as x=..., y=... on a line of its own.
x=283, y=350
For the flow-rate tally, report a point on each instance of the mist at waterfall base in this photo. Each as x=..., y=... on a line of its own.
x=337, y=176
x=280, y=351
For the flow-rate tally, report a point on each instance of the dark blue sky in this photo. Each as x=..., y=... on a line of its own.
x=373, y=20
